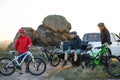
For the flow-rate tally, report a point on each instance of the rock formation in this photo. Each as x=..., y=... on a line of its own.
x=55, y=28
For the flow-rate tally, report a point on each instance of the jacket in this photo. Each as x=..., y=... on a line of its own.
x=22, y=43
x=75, y=43
x=105, y=36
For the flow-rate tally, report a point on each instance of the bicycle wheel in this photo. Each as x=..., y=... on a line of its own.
x=6, y=67
x=86, y=61
x=55, y=60
x=36, y=67
x=44, y=57
x=113, y=65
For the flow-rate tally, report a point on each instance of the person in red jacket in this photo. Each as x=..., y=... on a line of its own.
x=22, y=44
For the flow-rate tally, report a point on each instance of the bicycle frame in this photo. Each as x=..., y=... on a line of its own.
x=47, y=52
x=17, y=57
x=98, y=55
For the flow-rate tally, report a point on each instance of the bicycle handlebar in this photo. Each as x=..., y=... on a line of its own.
x=100, y=47
x=13, y=52
x=103, y=46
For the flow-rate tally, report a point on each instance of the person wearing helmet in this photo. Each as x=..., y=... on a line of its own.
x=22, y=44
x=75, y=47
x=105, y=35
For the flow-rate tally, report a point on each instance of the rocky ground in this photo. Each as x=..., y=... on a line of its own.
x=27, y=76
x=62, y=73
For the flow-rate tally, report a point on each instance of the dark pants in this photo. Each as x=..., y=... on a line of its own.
x=20, y=58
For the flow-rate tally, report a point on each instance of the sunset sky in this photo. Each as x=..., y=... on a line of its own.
x=83, y=15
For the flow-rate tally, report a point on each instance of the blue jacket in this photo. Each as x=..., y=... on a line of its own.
x=75, y=43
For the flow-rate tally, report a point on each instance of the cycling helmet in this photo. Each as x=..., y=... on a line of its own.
x=21, y=31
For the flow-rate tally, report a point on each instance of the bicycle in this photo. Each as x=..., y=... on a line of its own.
x=102, y=57
x=50, y=56
x=61, y=52
x=35, y=66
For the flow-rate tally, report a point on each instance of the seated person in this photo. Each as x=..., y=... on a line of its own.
x=75, y=45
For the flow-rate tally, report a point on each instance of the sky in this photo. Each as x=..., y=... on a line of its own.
x=84, y=15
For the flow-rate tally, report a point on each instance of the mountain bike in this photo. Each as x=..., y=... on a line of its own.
x=50, y=56
x=36, y=66
x=110, y=62
x=59, y=54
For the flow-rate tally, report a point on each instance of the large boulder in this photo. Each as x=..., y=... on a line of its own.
x=55, y=28
x=57, y=23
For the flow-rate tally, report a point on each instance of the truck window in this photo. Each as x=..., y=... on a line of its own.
x=85, y=37
x=112, y=37
x=92, y=37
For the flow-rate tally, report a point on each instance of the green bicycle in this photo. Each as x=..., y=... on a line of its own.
x=102, y=57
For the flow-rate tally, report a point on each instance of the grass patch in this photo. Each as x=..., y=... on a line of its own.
x=4, y=53
x=83, y=74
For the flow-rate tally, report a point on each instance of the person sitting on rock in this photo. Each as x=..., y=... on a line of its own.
x=75, y=47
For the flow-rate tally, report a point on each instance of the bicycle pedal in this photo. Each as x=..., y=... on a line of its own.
x=93, y=67
x=18, y=67
x=82, y=66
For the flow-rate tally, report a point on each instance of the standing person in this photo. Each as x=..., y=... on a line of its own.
x=105, y=35
x=21, y=46
x=105, y=38
x=74, y=48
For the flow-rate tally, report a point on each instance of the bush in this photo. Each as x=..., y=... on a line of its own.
x=4, y=53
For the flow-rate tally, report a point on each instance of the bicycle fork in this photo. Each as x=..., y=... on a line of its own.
x=35, y=64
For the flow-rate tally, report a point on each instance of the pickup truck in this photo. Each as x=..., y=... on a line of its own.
x=95, y=40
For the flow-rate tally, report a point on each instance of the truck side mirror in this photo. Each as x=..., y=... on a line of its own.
x=118, y=40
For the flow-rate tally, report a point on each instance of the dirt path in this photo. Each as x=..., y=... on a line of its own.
x=27, y=76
